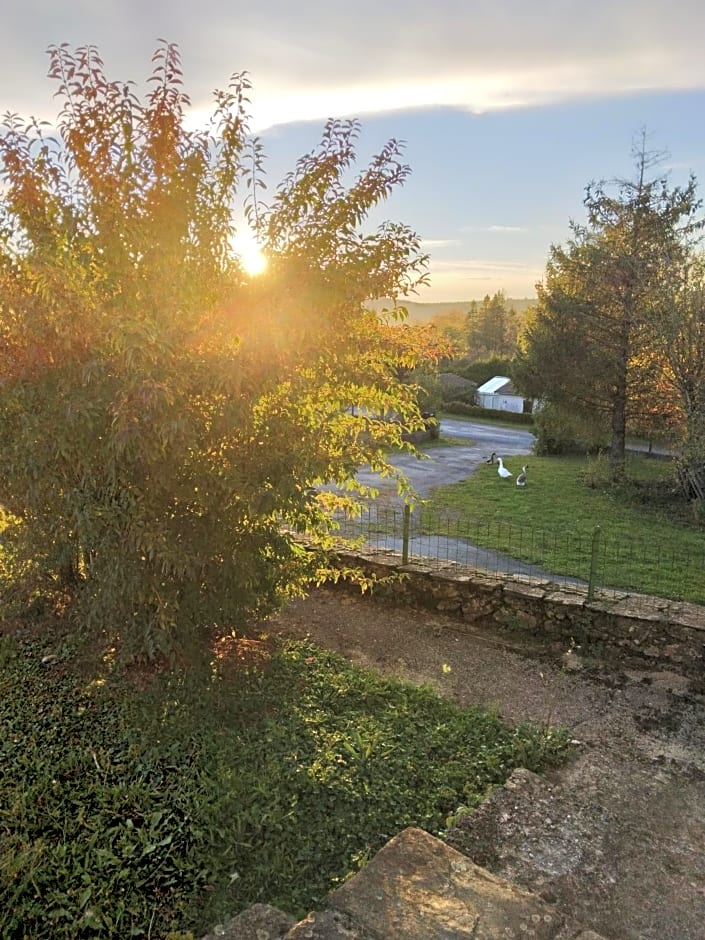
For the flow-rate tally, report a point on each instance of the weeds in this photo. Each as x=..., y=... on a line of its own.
x=126, y=813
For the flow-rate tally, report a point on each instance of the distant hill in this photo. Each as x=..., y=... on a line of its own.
x=422, y=313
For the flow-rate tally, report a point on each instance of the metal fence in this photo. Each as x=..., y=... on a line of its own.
x=586, y=560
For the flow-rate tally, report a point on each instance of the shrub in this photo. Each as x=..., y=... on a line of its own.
x=163, y=415
x=475, y=411
x=455, y=388
x=558, y=432
x=482, y=370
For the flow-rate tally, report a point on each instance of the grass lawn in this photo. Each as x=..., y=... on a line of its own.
x=446, y=440
x=647, y=542
x=130, y=807
x=482, y=419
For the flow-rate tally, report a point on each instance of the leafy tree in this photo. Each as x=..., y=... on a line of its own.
x=452, y=326
x=679, y=354
x=583, y=349
x=162, y=415
x=482, y=370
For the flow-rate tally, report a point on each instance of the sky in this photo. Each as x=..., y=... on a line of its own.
x=508, y=108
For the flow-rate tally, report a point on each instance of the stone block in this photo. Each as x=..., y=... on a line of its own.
x=566, y=599
x=419, y=888
x=517, y=589
x=687, y=615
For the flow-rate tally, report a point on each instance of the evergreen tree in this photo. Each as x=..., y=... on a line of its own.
x=583, y=349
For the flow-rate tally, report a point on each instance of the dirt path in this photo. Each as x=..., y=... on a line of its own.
x=618, y=836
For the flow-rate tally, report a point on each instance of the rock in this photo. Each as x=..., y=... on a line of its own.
x=572, y=662
x=329, y=925
x=259, y=922
x=418, y=888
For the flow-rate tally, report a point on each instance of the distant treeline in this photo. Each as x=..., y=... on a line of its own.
x=423, y=312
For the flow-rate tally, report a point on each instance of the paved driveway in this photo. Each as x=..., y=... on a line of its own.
x=442, y=465
x=457, y=461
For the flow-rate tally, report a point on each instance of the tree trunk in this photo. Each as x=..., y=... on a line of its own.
x=618, y=442
x=619, y=401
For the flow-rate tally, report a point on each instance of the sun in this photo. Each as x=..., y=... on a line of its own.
x=251, y=257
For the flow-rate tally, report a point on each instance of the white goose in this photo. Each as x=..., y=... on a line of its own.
x=521, y=479
x=502, y=470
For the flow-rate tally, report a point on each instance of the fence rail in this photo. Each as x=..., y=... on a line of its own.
x=586, y=560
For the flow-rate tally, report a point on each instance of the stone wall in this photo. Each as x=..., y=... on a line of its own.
x=631, y=629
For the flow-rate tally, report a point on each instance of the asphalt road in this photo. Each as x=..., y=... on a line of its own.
x=450, y=464
x=455, y=462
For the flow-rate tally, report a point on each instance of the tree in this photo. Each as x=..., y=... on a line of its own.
x=492, y=327
x=487, y=326
x=583, y=350
x=452, y=326
x=162, y=415
x=679, y=351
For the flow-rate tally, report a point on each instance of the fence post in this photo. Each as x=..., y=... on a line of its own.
x=593, y=561
x=406, y=528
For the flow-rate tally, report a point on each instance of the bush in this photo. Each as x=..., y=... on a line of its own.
x=456, y=388
x=459, y=408
x=163, y=415
x=482, y=370
x=430, y=394
x=558, y=432
x=475, y=411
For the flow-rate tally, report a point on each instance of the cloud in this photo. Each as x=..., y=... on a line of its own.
x=332, y=59
x=430, y=244
x=495, y=228
x=474, y=277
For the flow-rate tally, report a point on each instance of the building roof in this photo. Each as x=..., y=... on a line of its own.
x=500, y=384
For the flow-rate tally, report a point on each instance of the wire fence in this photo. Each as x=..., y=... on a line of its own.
x=586, y=561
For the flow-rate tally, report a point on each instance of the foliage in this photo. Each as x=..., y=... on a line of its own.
x=430, y=398
x=558, y=431
x=454, y=387
x=455, y=407
x=487, y=326
x=482, y=370
x=163, y=415
x=679, y=349
x=419, y=343
x=492, y=328
x=586, y=347
x=488, y=415
x=452, y=325
x=648, y=534
x=127, y=813
x=476, y=331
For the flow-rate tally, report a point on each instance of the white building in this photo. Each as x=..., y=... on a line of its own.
x=498, y=393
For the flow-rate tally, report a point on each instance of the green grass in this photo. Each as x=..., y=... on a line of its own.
x=446, y=440
x=647, y=542
x=498, y=422
x=130, y=814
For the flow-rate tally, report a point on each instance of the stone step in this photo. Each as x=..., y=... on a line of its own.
x=419, y=888
x=416, y=888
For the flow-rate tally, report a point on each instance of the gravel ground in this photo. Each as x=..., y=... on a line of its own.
x=618, y=836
